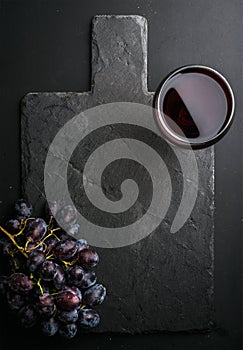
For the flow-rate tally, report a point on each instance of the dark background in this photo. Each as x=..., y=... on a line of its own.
x=45, y=46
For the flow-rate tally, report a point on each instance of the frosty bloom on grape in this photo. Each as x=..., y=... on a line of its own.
x=119, y=113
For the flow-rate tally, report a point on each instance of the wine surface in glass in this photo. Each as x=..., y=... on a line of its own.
x=196, y=104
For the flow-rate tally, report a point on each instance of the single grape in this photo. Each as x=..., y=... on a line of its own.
x=45, y=305
x=13, y=225
x=28, y=316
x=88, y=280
x=52, y=208
x=15, y=301
x=35, y=259
x=88, y=258
x=36, y=229
x=88, y=318
x=49, y=327
x=47, y=270
x=65, y=250
x=50, y=243
x=68, y=330
x=23, y=209
x=95, y=295
x=75, y=275
x=19, y=282
x=67, y=316
x=82, y=244
x=69, y=299
x=66, y=215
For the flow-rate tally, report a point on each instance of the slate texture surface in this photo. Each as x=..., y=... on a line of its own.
x=163, y=282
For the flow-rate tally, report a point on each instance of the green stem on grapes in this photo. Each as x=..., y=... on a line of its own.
x=42, y=242
x=46, y=237
x=55, y=229
x=26, y=245
x=51, y=218
x=45, y=247
x=55, y=293
x=23, y=222
x=39, y=285
x=49, y=256
x=21, y=249
x=36, y=246
x=69, y=263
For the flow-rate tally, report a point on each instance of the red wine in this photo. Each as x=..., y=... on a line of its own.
x=195, y=106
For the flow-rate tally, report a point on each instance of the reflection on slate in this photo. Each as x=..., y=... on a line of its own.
x=165, y=281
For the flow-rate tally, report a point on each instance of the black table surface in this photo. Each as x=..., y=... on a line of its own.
x=45, y=46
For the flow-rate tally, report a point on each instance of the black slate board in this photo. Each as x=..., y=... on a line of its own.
x=165, y=281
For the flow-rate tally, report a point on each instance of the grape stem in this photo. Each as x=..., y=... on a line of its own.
x=23, y=224
x=40, y=286
x=69, y=263
x=21, y=249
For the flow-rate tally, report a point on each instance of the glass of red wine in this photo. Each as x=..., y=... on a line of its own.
x=194, y=106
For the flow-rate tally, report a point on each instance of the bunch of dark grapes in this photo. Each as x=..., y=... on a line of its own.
x=49, y=279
